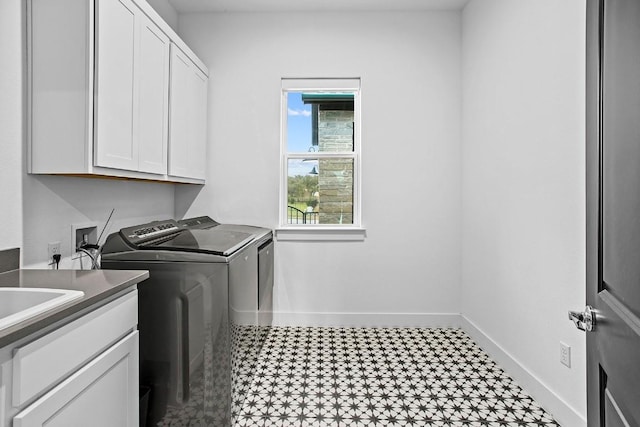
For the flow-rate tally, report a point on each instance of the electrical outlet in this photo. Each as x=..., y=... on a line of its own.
x=53, y=248
x=82, y=234
x=565, y=354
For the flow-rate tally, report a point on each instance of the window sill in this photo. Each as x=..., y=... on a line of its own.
x=335, y=234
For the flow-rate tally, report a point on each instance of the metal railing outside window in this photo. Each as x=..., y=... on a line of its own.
x=297, y=216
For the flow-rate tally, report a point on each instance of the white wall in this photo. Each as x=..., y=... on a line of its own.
x=166, y=11
x=53, y=203
x=410, y=69
x=40, y=209
x=11, y=129
x=523, y=186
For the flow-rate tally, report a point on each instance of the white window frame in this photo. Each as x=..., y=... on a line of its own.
x=353, y=231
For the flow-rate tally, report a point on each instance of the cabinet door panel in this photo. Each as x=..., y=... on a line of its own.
x=153, y=108
x=115, y=82
x=187, y=117
x=180, y=129
x=102, y=393
x=198, y=153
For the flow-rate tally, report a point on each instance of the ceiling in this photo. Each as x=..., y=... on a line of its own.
x=187, y=6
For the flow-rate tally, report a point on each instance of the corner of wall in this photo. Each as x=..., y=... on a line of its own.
x=562, y=411
x=523, y=112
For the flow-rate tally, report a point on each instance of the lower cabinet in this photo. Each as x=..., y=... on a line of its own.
x=82, y=371
x=99, y=394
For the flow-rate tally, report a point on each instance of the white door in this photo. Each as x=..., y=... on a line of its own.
x=153, y=89
x=115, y=84
x=187, y=117
x=104, y=393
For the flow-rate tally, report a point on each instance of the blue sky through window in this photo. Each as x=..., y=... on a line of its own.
x=298, y=123
x=298, y=132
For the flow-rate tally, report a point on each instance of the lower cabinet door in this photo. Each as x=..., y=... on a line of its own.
x=102, y=393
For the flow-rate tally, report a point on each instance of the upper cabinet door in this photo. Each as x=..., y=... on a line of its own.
x=180, y=132
x=187, y=117
x=153, y=105
x=198, y=155
x=116, y=29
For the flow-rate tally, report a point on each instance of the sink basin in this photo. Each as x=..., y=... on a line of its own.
x=18, y=304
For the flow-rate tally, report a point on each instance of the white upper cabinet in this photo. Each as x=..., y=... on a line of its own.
x=187, y=123
x=115, y=99
x=153, y=103
x=199, y=158
x=101, y=93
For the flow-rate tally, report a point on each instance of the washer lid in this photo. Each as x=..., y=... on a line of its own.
x=213, y=241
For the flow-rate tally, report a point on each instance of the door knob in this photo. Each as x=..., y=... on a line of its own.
x=586, y=320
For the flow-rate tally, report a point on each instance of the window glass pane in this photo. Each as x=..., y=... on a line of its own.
x=320, y=121
x=299, y=126
x=302, y=191
x=335, y=186
x=320, y=191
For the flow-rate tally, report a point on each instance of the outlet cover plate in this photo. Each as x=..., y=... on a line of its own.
x=52, y=249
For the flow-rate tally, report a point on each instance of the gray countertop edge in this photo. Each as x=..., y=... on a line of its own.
x=97, y=285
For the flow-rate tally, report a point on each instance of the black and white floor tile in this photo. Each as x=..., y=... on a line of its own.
x=378, y=377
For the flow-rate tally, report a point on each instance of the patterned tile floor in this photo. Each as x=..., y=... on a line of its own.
x=379, y=377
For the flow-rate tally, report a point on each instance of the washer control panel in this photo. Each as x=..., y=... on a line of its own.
x=198, y=222
x=153, y=230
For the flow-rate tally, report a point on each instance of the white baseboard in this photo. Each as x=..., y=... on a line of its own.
x=554, y=404
x=551, y=402
x=381, y=320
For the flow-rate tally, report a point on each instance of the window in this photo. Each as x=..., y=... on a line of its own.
x=320, y=153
